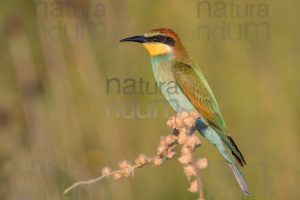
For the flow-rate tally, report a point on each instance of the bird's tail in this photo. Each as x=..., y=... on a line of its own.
x=210, y=134
x=239, y=178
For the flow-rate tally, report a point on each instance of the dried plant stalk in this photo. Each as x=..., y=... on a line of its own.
x=183, y=125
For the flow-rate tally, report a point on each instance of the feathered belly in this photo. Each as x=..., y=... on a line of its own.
x=177, y=99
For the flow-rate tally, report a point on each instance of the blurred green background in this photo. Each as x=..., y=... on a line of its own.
x=59, y=121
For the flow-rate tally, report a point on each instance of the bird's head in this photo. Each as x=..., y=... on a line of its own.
x=159, y=42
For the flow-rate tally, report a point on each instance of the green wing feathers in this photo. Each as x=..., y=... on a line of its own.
x=195, y=87
x=193, y=84
x=227, y=139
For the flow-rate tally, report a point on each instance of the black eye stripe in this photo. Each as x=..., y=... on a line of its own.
x=162, y=39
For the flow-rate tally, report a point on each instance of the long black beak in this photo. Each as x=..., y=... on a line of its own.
x=140, y=39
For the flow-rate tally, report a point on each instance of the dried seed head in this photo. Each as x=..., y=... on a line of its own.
x=193, y=141
x=194, y=186
x=202, y=163
x=127, y=172
x=157, y=161
x=124, y=164
x=117, y=176
x=185, y=159
x=171, y=122
x=170, y=153
x=184, y=114
x=141, y=160
x=194, y=114
x=126, y=168
x=170, y=139
x=186, y=155
x=189, y=171
x=182, y=138
x=161, y=149
x=184, y=130
x=185, y=150
x=189, y=122
x=162, y=141
x=179, y=122
x=105, y=171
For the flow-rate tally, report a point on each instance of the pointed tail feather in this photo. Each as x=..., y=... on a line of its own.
x=211, y=135
x=239, y=178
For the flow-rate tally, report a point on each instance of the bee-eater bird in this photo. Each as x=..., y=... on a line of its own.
x=171, y=63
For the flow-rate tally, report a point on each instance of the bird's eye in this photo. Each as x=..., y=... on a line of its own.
x=160, y=38
x=157, y=39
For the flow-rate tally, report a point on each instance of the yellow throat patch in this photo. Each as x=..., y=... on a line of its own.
x=155, y=49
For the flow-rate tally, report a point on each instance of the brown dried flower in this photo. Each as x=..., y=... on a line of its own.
x=141, y=160
x=189, y=171
x=185, y=159
x=171, y=122
x=157, y=161
x=193, y=141
x=170, y=139
x=170, y=153
x=126, y=168
x=106, y=171
x=182, y=138
x=161, y=149
x=117, y=176
x=189, y=122
x=194, y=186
x=183, y=114
x=179, y=122
x=195, y=115
x=202, y=163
